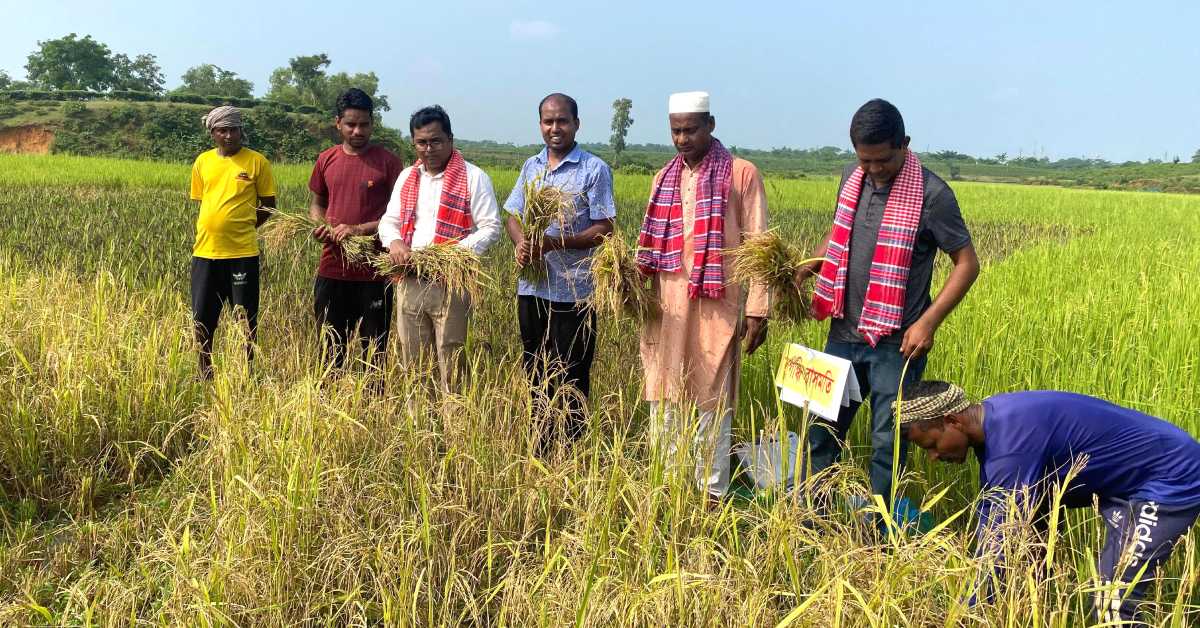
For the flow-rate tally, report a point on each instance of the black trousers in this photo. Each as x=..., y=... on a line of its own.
x=1143, y=533
x=216, y=282
x=559, y=342
x=347, y=307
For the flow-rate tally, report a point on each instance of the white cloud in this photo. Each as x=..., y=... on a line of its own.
x=529, y=30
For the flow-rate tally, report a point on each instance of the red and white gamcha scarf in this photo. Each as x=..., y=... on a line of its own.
x=454, y=207
x=883, y=309
x=660, y=244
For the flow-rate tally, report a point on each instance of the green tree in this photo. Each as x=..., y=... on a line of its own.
x=621, y=121
x=210, y=80
x=5, y=80
x=1196, y=157
x=71, y=63
x=335, y=84
x=300, y=83
x=949, y=155
x=305, y=82
x=140, y=74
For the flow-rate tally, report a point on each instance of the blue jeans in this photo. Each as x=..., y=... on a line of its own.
x=878, y=371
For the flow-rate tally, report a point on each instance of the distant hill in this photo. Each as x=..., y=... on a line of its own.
x=171, y=131
x=168, y=131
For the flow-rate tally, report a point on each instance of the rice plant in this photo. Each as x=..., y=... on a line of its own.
x=284, y=494
x=545, y=205
x=618, y=286
x=284, y=226
x=767, y=260
x=456, y=266
x=359, y=250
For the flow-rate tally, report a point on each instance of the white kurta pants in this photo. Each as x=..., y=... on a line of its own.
x=708, y=435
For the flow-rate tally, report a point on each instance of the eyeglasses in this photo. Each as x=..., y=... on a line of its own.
x=429, y=144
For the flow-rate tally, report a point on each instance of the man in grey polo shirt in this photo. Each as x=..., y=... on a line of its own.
x=876, y=290
x=558, y=330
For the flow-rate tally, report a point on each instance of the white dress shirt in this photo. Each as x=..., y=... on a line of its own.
x=485, y=213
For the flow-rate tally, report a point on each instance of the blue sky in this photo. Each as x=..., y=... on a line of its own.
x=1096, y=79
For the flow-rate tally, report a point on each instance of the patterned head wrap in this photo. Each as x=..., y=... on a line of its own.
x=930, y=400
x=223, y=117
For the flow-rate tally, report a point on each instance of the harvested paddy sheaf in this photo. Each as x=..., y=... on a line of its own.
x=619, y=288
x=545, y=206
x=447, y=262
x=286, y=495
x=283, y=227
x=766, y=259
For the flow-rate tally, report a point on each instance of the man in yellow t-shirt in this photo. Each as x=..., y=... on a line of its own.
x=233, y=184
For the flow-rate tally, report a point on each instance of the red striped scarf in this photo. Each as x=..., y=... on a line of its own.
x=883, y=309
x=660, y=244
x=454, y=207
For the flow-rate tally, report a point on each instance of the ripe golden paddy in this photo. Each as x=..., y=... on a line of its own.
x=286, y=495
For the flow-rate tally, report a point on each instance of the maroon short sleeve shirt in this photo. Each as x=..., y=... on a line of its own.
x=357, y=188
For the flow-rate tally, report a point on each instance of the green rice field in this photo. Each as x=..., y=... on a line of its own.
x=133, y=494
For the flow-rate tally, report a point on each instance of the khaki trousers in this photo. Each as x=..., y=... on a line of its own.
x=432, y=323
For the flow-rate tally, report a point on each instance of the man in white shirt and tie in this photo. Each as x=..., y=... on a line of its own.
x=441, y=198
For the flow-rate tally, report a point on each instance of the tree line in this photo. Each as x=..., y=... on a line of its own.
x=79, y=68
x=83, y=64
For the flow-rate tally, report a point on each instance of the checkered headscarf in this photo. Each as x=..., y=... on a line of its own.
x=222, y=117
x=933, y=400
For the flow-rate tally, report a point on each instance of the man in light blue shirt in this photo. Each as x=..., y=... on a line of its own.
x=558, y=331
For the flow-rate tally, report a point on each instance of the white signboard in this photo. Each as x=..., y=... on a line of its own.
x=822, y=382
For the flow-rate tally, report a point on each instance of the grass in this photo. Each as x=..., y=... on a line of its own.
x=285, y=495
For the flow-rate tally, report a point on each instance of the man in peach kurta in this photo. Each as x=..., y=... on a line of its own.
x=690, y=351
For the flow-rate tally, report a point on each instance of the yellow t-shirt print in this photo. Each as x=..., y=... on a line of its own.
x=228, y=189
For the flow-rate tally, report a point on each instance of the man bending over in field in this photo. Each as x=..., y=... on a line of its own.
x=233, y=185
x=893, y=216
x=1143, y=471
x=351, y=184
x=441, y=198
x=558, y=331
x=702, y=202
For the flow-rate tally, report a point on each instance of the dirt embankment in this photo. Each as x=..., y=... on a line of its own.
x=30, y=139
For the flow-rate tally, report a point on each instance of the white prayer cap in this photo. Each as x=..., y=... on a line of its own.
x=688, y=102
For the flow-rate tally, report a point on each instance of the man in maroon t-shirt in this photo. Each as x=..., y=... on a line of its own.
x=351, y=184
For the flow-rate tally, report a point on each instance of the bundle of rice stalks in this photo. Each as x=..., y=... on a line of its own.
x=545, y=205
x=285, y=226
x=358, y=250
x=764, y=258
x=618, y=288
x=458, y=267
